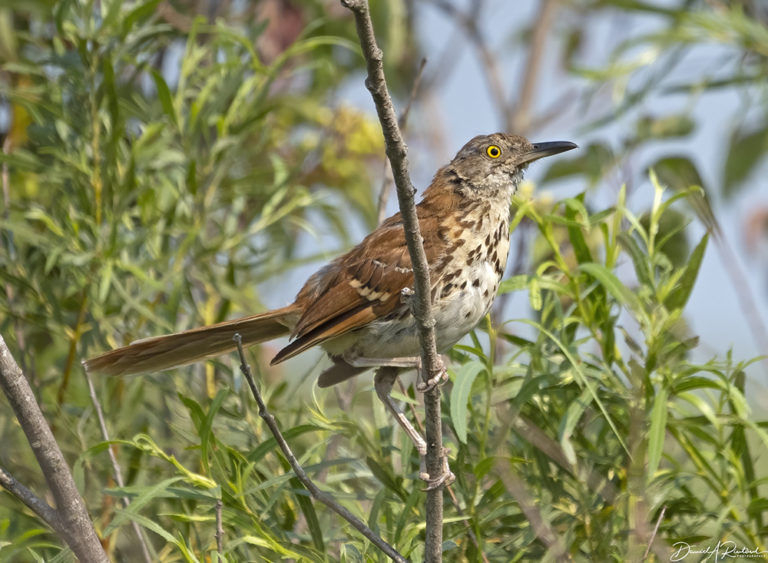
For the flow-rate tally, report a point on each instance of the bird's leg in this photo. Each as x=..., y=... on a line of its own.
x=383, y=382
x=412, y=362
x=438, y=378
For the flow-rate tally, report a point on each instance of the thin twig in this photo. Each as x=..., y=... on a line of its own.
x=655, y=531
x=403, y=122
x=298, y=470
x=421, y=307
x=71, y=522
x=219, y=529
x=27, y=496
x=448, y=488
x=118, y=474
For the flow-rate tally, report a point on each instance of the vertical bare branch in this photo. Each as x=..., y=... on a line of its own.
x=403, y=122
x=72, y=523
x=421, y=306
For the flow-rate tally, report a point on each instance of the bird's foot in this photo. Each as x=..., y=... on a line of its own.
x=445, y=478
x=438, y=378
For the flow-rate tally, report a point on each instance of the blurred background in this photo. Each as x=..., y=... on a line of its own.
x=170, y=164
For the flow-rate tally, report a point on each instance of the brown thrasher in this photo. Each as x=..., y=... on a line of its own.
x=354, y=306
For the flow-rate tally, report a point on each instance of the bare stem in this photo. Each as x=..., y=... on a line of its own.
x=219, y=528
x=70, y=519
x=403, y=122
x=298, y=470
x=655, y=531
x=420, y=306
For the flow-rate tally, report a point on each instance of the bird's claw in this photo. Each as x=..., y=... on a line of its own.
x=445, y=478
x=438, y=379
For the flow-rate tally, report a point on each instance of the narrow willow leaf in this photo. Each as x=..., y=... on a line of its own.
x=613, y=285
x=106, y=281
x=308, y=510
x=147, y=495
x=268, y=445
x=165, y=97
x=515, y=283
x=534, y=294
x=679, y=296
x=639, y=258
x=569, y=421
x=576, y=234
x=462, y=387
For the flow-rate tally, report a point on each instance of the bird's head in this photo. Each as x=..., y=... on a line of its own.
x=498, y=160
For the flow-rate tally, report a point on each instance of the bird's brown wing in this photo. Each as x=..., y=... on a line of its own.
x=361, y=286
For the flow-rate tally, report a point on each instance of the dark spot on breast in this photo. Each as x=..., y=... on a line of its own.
x=458, y=243
x=486, y=293
x=467, y=314
x=447, y=288
x=488, y=240
x=476, y=282
x=463, y=284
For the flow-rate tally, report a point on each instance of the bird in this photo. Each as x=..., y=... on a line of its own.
x=355, y=307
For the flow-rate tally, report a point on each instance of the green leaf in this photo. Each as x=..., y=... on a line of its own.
x=534, y=294
x=611, y=283
x=137, y=14
x=745, y=150
x=385, y=476
x=308, y=509
x=649, y=127
x=680, y=173
x=268, y=445
x=575, y=210
x=515, y=283
x=678, y=297
x=639, y=258
x=165, y=97
x=462, y=388
x=569, y=421
x=147, y=495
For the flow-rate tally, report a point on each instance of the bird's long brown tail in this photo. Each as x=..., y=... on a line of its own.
x=172, y=350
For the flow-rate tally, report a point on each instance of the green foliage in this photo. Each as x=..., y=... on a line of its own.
x=159, y=167
x=162, y=166
x=602, y=414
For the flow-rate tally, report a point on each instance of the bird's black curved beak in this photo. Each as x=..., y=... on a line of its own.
x=540, y=150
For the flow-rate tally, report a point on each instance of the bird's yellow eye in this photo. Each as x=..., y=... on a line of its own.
x=493, y=151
